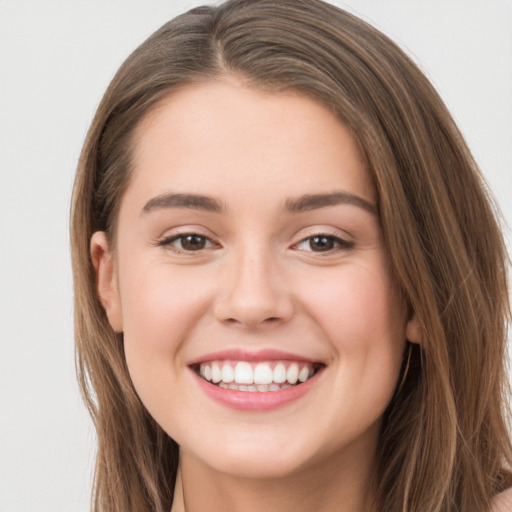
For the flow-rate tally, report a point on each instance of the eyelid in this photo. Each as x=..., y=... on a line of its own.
x=342, y=243
x=174, y=238
x=166, y=241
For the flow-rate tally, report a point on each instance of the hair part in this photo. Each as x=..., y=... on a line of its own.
x=444, y=444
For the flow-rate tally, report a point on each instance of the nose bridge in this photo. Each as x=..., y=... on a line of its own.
x=254, y=289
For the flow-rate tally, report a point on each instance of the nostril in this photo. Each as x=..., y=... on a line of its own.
x=272, y=319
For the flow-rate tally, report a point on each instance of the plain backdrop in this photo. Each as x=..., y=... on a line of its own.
x=56, y=59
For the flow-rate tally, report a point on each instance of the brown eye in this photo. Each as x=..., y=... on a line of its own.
x=322, y=243
x=192, y=242
x=328, y=244
x=187, y=243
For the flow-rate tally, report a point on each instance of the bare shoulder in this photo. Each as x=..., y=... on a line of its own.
x=503, y=502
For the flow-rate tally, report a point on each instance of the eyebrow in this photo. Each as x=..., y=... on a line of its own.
x=315, y=201
x=300, y=204
x=191, y=201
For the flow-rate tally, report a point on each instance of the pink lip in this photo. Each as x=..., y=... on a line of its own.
x=237, y=354
x=255, y=401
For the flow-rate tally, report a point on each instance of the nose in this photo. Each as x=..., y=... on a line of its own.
x=253, y=293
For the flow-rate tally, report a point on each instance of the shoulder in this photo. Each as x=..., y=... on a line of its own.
x=503, y=502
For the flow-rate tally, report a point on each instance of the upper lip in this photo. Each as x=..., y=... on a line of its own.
x=241, y=354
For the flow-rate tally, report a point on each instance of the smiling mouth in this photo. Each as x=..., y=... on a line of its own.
x=256, y=376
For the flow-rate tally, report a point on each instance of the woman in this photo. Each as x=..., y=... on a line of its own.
x=290, y=285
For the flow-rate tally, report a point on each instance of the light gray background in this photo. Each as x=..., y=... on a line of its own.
x=56, y=59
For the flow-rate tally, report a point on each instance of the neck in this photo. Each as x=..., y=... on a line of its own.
x=330, y=487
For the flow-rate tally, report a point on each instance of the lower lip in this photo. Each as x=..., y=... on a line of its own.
x=257, y=400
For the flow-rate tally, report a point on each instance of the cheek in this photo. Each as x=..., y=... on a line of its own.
x=363, y=318
x=357, y=308
x=160, y=309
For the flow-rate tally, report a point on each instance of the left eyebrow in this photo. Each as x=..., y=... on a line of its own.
x=315, y=201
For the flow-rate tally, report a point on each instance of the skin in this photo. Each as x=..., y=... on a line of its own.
x=259, y=282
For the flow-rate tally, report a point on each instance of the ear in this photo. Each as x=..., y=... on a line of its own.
x=412, y=330
x=106, y=279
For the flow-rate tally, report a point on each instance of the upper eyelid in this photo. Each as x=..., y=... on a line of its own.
x=169, y=244
x=326, y=235
x=337, y=233
x=178, y=231
x=177, y=236
x=300, y=236
x=316, y=229
x=338, y=238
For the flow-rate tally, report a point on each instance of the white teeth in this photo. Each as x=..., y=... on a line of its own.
x=304, y=374
x=243, y=373
x=228, y=374
x=292, y=375
x=216, y=373
x=252, y=377
x=263, y=374
x=279, y=373
x=252, y=388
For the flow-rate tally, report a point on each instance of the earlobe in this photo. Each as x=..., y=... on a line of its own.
x=412, y=330
x=106, y=279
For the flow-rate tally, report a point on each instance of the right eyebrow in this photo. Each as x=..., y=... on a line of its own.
x=190, y=201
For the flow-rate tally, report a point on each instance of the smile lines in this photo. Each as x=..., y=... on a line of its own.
x=262, y=377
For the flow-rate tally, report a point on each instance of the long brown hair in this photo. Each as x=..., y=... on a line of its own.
x=444, y=443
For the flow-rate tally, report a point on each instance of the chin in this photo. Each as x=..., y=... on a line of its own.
x=261, y=466
x=252, y=456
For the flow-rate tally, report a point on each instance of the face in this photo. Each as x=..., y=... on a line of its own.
x=262, y=328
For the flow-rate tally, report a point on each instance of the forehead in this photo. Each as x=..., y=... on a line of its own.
x=224, y=133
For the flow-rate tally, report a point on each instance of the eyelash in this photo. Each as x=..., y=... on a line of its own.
x=169, y=241
x=338, y=244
